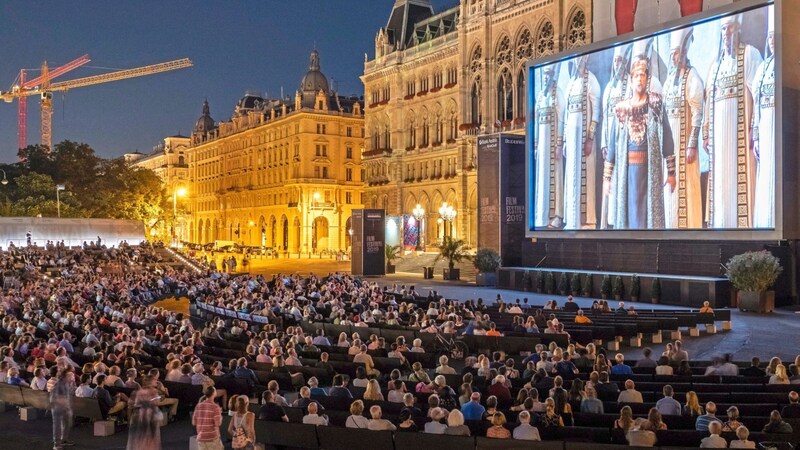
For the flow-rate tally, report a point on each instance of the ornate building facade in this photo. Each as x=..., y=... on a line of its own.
x=282, y=173
x=436, y=82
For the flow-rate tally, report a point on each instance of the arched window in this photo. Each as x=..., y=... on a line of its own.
x=505, y=98
x=181, y=160
x=412, y=133
x=504, y=54
x=545, y=39
x=521, y=94
x=524, y=46
x=438, y=129
x=476, y=61
x=576, y=34
x=475, y=102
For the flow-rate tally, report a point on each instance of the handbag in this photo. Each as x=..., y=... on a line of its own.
x=240, y=439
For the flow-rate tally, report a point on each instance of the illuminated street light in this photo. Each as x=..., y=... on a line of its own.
x=419, y=214
x=448, y=214
x=4, y=181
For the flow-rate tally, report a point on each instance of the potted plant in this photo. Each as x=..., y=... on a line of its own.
x=392, y=253
x=576, y=284
x=549, y=283
x=655, y=291
x=636, y=288
x=619, y=288
x=752, y=274
x=487, y=261
x=563, y=283
x=539, y=281
x=587, y=286
x=454, y=251
x=605, y=287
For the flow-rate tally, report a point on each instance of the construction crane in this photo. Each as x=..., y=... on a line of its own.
x=45, y=88
x=22, y=84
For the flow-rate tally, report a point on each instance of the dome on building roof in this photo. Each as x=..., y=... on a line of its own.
x=314, y=80
x=205, y=123
x=250, y=101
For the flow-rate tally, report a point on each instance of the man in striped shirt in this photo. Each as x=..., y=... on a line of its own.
x=206, y=419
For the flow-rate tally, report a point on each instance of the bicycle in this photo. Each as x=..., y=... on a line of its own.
x=453, y=347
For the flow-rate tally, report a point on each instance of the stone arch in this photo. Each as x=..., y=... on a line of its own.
x=503, y=52
x=296, y=237
x=284, y=233
x=545, y=43
x=576, y=27
x=410, y=203
x=319, y=234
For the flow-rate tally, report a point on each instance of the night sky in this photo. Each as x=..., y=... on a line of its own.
x=235, y=46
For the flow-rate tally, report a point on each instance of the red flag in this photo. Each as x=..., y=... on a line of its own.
x=689, y=7
x=624, y=14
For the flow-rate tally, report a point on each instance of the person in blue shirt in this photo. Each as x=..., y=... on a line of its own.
x=668, y=406
x=620, y=368
x=473, y=410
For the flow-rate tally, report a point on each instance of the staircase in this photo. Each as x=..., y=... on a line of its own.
x=413, y=263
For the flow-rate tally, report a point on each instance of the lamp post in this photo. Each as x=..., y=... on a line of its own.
x=4, y=181
x=419, y=214
x=181, y=191
x=59, y=188
x=448, y=214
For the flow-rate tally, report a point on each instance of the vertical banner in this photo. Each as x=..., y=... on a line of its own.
x=512, y=198
x=410, y=232
x=489, y=192
x=369, y=239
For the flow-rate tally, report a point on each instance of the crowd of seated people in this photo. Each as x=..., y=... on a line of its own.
x=100, y=326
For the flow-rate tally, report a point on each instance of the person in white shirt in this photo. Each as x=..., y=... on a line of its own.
x=525, y=432
x=39, y=381
x=714, y=440
x=630, y=394
x=84, y=390
x=356, y=420
x=378, y=424
x=443, y=368
x=416, y=346
x=313, y=418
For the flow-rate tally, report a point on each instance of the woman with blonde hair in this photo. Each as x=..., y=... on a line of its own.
x=625, y=421
x=373, y=391
x=733, y=423
x=498, y=429
x=241, y=428
x=550, y=419
x=455, y=424
x=692, y=407
x=356, y=419
x=780, y=376
x=773, y=365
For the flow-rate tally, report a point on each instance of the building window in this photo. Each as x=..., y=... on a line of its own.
x=349, y=174
x=317, y=171
x=321, y=128
x=324, y=172
x=348, y=153
x=348, y=197
x=576, y=36
x=349, y=131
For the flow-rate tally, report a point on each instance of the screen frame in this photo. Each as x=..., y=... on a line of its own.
x=745, y=234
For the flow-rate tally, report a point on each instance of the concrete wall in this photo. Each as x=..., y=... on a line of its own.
x=71, y=231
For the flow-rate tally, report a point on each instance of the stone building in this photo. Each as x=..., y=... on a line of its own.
x=437, y=81
x=282, y=173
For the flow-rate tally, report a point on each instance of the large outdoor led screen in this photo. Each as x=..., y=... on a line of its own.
x=672, y=131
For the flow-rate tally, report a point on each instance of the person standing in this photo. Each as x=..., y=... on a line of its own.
x=684, y=98
x=615, y=92
x=61, y=407
x=764, y=133
x=580, y=125
x=549, y=159
x=207, y=418
x=727, y=126
x=643, y=145
x=144, y=429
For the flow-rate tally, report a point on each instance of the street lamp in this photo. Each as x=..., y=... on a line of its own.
x=59, y=188
x=448, y=214
x=419, y=214
x=4, y=181
x=180, y=192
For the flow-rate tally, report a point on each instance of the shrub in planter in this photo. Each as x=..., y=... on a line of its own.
x=539, y=281
x=486, y=260
x=563, y=283
x=605, y=287
x=549, y=283
x=588, y=285
x=576, y=284
x=619, y=288
x=655, y=290
x=636, y=288
x=752, y=274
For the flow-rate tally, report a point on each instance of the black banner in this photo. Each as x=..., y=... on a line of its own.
x=489, y=192
x=369, y=240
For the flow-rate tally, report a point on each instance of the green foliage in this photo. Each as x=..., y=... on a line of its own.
x=605, y=286
x=753, y=271
x=540, y=280
x=487, y=260
x=655, y=290
x=94, y=187
x=549, y=283
x=453, y=251
x=576, y=283
x=619, y=287
x=392, y=253
x=563, y=283
x=588, y=285
x=636, y=287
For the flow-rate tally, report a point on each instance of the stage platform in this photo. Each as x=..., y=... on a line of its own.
x=679, y=290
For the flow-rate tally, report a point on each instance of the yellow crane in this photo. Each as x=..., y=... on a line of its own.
x=45, y=88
